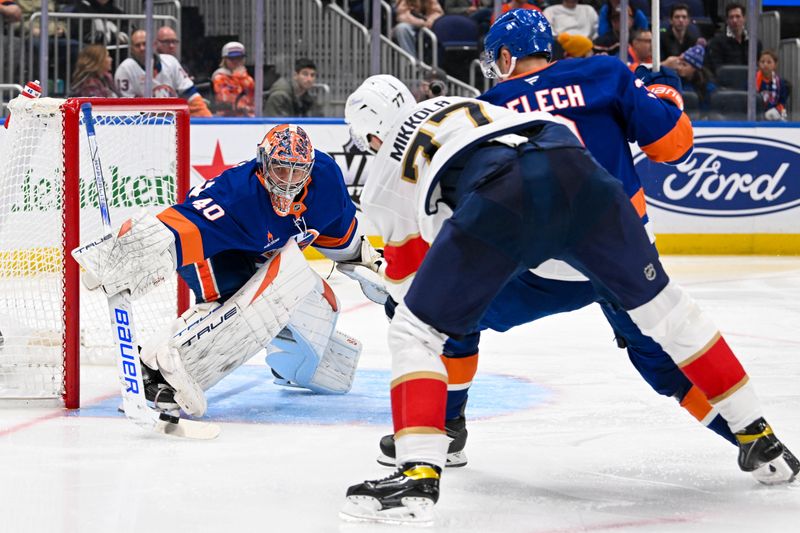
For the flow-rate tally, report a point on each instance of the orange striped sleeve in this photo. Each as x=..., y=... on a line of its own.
x=674, y=144
x=188, y=234
x=639, y=203
x=206, y=276
x=404, y=258
x=334, y=242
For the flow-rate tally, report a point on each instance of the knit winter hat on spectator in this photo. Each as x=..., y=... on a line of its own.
x=574, y=45
x=233, y=49
x=695, y=56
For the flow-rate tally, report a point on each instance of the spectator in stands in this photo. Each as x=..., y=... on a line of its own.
x=608, y=44
x=640, y=20
x=92, y=75
x=695, y=76
x=729, y=47
x=575, y=45
x=510, y=5
x=102, y=29
x=169, y=78
x=433, y=84
x=640, y=51
x=411, y=15
x=291, y=98
x=681, y=33
x=572, y=18
x=167, y=41
x=10, y=11
x=29, y=7
x=59, y=43
x=479, y=11
x=771, y=88
x=234, y=88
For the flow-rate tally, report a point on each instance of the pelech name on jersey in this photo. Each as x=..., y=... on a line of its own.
x=549, y=100
x=409, y=126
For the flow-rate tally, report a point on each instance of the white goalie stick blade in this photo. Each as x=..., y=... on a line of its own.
x=372, y=288
x=414, y=511
x=134, y=403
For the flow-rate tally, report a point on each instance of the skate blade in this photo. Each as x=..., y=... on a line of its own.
x=454, y=460
x=414, y=511
x=776, y=472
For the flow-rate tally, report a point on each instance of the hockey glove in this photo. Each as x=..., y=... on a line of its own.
x=665, y=84
x=370, y=258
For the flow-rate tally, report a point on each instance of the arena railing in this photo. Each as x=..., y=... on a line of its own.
x=337, y=43
x=8, y=91
x=789, y=68
x=769, y=29
x=62, y=56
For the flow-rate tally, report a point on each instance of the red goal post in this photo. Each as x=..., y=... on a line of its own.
x=48, y=207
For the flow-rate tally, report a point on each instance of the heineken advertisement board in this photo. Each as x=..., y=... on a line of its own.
x=739, y=192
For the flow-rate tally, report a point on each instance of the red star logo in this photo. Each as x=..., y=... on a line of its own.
x=217, y=166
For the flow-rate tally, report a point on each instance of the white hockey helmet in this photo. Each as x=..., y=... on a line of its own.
x=373, y=108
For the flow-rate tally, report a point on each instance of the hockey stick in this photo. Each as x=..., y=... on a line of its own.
x=121, y=312
x=372, y=289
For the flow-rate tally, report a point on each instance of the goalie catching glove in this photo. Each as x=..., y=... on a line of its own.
x=140, y=257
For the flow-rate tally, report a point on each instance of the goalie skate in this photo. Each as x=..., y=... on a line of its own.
x=456, y=456
x=405, y=497
x=761, y=453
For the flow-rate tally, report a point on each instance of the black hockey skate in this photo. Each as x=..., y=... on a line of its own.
x=405, y=497
x=761, y=453
x=158, y=392
x=457, y=433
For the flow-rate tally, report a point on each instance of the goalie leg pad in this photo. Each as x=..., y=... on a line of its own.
x=210, y=348
x=309, y=352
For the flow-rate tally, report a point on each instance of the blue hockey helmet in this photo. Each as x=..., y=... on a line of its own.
x=524, y=32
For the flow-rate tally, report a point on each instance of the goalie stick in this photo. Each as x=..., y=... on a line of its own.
x=121, y=312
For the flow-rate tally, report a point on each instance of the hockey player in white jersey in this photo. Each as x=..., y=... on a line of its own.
x=466, y=196
x=169, y=78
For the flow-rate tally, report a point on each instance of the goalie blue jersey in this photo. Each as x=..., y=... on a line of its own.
x=230, y=220
x=610, y=108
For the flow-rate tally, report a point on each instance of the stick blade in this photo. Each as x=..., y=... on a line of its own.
x=188, y=429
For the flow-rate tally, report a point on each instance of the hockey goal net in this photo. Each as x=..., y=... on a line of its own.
x=49, y=323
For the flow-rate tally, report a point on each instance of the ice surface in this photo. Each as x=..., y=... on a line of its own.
x=564, y=436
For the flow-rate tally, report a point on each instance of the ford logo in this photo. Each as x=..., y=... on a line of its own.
x=726, y=176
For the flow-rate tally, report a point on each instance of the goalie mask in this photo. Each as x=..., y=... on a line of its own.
x=285, y=158
x=373, y=108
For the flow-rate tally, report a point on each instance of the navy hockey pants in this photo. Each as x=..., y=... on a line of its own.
x=585, y=218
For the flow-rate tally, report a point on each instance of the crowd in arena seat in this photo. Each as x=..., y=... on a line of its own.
x=708, y=52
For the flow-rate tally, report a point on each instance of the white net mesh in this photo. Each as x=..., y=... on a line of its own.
x=138, y=153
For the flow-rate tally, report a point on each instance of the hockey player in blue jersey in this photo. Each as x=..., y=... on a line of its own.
x=608, y=107
x=237, y=240
x=493, y=193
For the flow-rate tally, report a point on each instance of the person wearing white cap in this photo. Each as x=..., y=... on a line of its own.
x=234, y=88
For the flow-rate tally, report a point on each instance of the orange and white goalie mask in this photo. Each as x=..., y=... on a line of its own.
x=285, y=158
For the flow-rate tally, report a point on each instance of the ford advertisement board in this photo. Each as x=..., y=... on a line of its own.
x=727, y=175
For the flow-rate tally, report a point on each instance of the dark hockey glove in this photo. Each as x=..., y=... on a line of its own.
x=665, y=84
